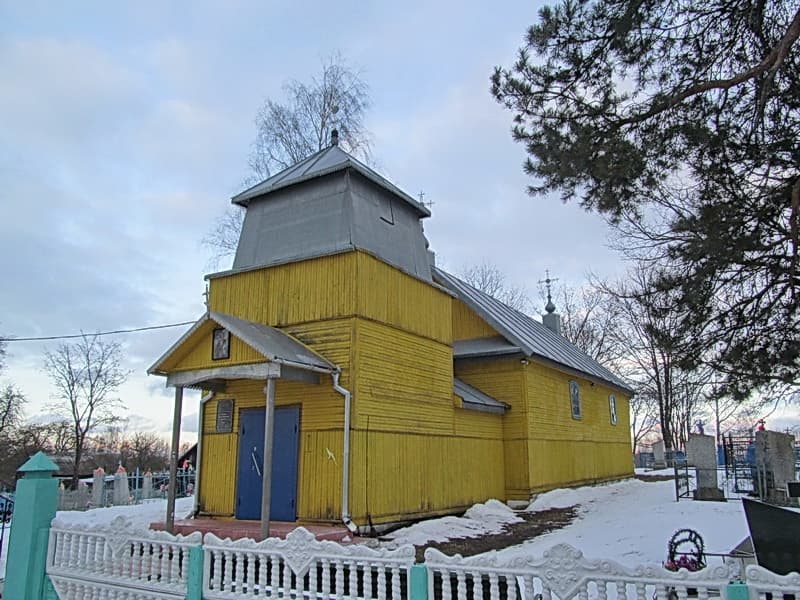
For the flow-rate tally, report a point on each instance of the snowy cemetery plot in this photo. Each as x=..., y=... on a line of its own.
x=629, y=522
x=122, y=488
x=141, y=515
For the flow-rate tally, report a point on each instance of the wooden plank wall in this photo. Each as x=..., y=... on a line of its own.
x=503, y=379
x=300, y=292
x=414, y=453
x=467, y=325
x=388, y=295
x=195, y=353
x=567, y=451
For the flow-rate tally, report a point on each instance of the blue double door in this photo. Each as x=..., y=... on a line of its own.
x=283, y=502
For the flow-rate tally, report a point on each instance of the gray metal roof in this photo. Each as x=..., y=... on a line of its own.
x=324, y=162
x=493, y=346
x=533, y=338
x=336, y=213
x=272, y=343
x=474, y=399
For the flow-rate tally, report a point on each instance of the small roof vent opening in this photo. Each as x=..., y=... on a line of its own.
x=334, y=137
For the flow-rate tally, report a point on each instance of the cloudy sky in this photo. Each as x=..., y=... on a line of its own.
x=125, y=129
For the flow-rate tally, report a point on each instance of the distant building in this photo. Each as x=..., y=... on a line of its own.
x=454, y=398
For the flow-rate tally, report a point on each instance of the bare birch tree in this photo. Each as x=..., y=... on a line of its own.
x=11, y=403
x=593, y=319
x=489, y=279
x=292, y=130
x=12, y=400
x=86, y=375
x=288, y=132
x=655, y=353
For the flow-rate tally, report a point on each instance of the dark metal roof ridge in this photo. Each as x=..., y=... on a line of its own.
x=283, y=261
x=510, y=351
x=484, y=314
x=243, y=198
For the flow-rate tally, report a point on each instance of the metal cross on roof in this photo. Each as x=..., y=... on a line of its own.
x=429, y=203
x=549, y=307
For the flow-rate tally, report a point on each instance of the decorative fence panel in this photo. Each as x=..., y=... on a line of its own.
x=562, y=573
x=302, y=567
x=762, y=582
x=116, y=561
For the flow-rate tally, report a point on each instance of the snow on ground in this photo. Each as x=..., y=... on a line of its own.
x=478, y=520
x=140, y=514
x=629, y=522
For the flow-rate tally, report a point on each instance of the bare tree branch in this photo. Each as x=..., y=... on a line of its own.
x=488, y=278
x=288, y=132
x=86, y=375
x=11, y=404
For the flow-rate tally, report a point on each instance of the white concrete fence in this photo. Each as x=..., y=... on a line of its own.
x=119, y=562
x=562, y=573
x=301, y=566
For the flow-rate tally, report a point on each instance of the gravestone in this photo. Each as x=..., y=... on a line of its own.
x=775, y=458
x=659, y=461
x=701, y=453
x=122, y=494
x=98, y=487
x=147, y=486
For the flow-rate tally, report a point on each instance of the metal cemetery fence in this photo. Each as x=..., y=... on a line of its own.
x=6, y=512
x=123, y=488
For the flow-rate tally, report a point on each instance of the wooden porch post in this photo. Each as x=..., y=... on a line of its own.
x=266, y=481
x=173, y=459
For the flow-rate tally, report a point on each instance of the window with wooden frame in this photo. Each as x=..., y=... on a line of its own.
x=575, y=399
x=612, y=408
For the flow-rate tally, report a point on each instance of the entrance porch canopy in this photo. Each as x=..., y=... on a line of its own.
x=255, y=351
x=219, y=348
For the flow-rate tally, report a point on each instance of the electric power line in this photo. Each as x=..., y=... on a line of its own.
x=77, y=335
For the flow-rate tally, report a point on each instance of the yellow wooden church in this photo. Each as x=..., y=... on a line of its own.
x=399, y=391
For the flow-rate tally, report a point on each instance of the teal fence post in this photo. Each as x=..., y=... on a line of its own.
x=194, y=578
x=35, y=506
x=737, y=591
x=419, y=582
